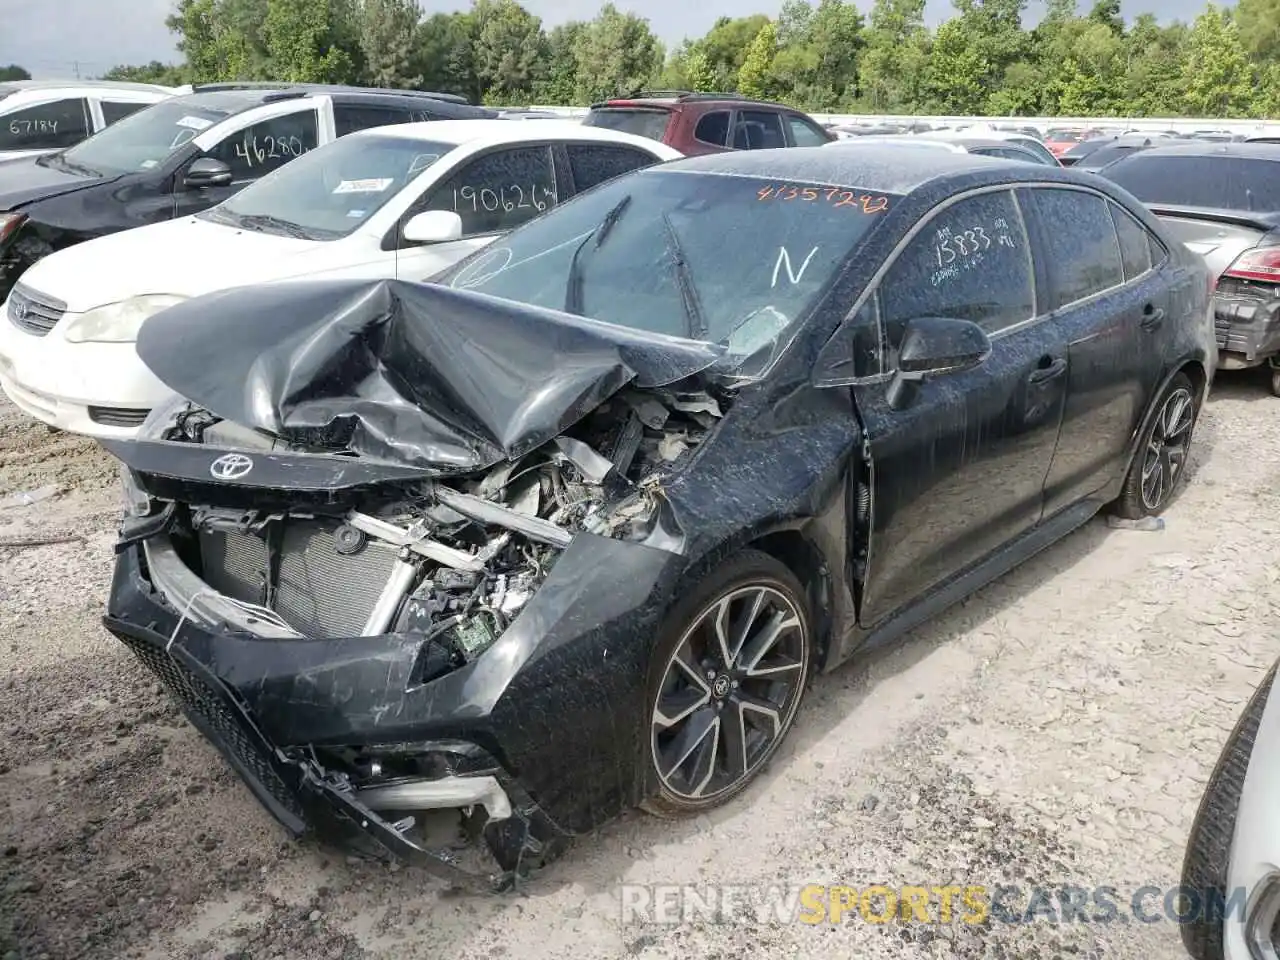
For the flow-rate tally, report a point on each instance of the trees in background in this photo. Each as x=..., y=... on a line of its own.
x=819, y=55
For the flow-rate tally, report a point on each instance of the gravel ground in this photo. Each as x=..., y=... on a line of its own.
x=1056, y=728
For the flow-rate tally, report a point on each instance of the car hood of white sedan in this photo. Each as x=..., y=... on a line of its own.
x=186, y=257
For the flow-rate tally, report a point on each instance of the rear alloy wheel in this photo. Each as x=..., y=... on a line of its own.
x=1162, y=455
x=730, y=682
x=1275, y=382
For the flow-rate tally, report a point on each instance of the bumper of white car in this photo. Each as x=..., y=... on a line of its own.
x=1254, y=873
x=99, y=389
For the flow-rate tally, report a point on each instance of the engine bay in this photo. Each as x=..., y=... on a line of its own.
x=451, y=560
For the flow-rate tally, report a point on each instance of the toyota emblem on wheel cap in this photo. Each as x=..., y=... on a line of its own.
x=230, y=466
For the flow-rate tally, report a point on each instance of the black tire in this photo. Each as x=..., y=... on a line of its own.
x=1204, y=868
x=788, y=662
x=1275, y=382
x=1139, y=497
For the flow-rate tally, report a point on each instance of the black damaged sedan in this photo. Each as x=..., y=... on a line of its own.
x=569, y=529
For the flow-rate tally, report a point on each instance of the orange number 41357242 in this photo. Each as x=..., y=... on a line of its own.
x=836, y=196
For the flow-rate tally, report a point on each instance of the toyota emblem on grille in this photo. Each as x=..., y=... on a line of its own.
x=230, y=466
x=20, y=309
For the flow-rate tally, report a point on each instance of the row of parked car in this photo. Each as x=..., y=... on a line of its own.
x=529, y=471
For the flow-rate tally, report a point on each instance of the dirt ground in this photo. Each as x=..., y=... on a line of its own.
x=1056, y=728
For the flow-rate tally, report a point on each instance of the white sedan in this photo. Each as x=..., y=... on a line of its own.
x=404, y=201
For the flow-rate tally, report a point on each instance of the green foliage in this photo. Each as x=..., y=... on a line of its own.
x=388, y=30
x=616, y=53
x=165, y=74
x=819, y=55
x=755, y=76
x=13, y=72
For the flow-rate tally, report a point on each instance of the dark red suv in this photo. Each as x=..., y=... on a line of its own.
x=695, y=123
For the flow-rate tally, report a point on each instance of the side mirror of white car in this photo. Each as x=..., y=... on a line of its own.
x=433, y=226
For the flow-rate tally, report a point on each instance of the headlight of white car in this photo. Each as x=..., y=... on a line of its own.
x=118, y=322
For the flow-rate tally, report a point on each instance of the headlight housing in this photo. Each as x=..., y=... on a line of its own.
x=118, y=322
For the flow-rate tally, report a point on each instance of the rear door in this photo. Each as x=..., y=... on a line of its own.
x=591, y=164
x=960, y=471
x=1111, y=304
x=350, y=117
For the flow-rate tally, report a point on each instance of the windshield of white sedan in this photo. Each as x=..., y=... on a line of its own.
x=329, y=192
x=142, y=140
x=724, y=259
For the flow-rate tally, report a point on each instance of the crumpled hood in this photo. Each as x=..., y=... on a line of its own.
x=24, y=180
x=416, y=374
x=187, y=257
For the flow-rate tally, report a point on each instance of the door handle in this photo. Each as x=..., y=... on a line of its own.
x=1152, y=317
x=1048, y=369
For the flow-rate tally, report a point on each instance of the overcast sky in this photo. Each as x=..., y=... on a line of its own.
x=50, y=37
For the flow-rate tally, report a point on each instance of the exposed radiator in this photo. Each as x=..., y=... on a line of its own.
x=320, y=592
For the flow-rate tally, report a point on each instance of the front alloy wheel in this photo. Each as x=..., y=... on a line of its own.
x=729, y=689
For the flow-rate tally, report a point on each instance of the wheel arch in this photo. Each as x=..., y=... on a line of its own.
x=806, y=560
x=1195, y=371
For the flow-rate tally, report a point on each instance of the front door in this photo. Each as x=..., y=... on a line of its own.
x=252, y=151
x=959, y=470
x=492, y=193
x=1111, y=307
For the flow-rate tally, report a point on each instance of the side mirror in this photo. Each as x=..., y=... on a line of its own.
x=932, y=346
x=433, y=226
x=206, y=172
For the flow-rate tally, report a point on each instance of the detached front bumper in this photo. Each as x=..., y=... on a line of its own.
x=512, y=721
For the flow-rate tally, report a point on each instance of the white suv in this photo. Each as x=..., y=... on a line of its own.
x=41, y=116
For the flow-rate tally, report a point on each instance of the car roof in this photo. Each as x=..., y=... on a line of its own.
x=501, y=130
x=662, y=99
x=1208, y=149
x=21, y=86
x=233, y=99
x=865, y=164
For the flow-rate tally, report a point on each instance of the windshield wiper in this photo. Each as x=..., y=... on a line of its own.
x=573, y=285
x=694, y=319
x=270, y=222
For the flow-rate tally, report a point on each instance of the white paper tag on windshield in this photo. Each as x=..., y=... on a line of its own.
x=195, y=123
x=363, y=186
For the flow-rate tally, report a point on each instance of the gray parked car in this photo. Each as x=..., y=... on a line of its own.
x=1223, y=201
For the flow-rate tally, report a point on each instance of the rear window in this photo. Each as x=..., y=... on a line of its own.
x=641, y=121
x=1224, y=183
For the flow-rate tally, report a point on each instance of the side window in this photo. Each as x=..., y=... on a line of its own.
x=498, y=191
x=269, y=145
x=113, y=110
x=1080, y=245
x=1135, y=243
x=804, y=133
x=350, y=117
x=594, y=163
x=713, y=128
x=48, y=126
x=758, y=130
x=1158, y=252
x=970, y=261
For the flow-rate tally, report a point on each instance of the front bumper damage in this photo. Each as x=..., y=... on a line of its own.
x=276, y=706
